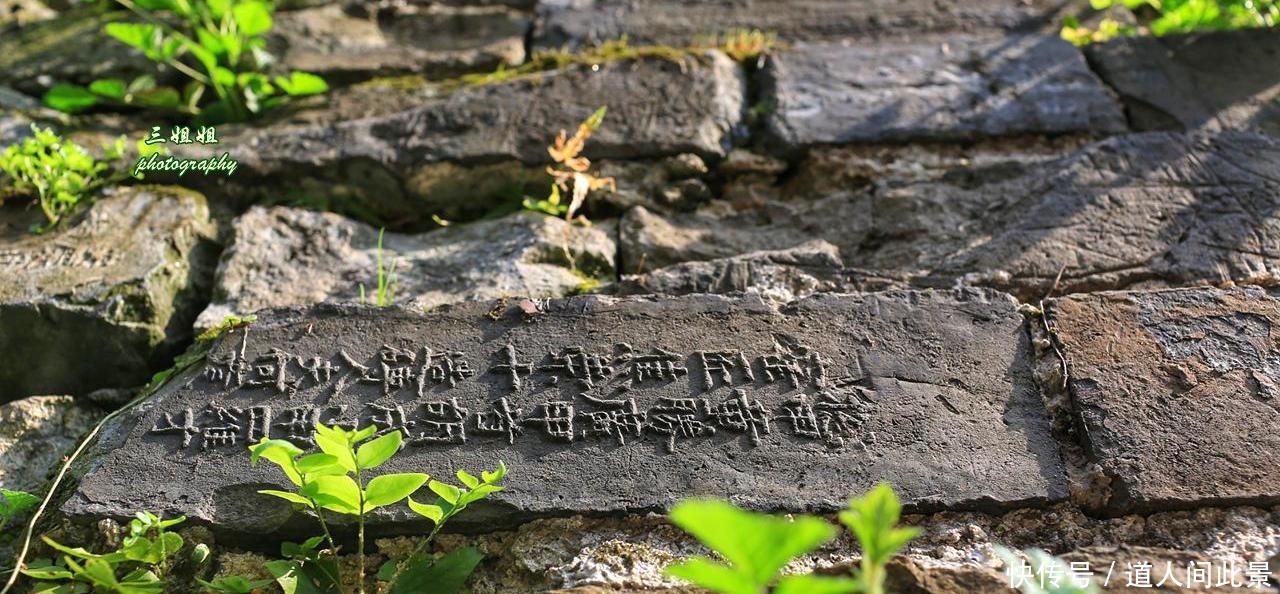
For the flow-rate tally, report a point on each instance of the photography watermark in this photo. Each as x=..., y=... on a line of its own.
x=153, y=158
x=1055, y=573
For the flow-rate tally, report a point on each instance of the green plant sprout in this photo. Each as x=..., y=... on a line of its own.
x=218, y=44
x=137, y=567
x=1047, y=574
x=873, y=519
x=334, y=480
x=59, y=173
x=758, y=546
x=13, y=504
x=387, y=279
x=1175, y=16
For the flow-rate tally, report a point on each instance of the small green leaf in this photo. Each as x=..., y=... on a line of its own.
x=466, y=478
x=334, y=441
x=335, y=493
x=69, y=98
x=447, y=492
x=138, y=35
x=757, y=545
x=708, y=574
x=253, y=18
x=320, y=465
x=445, y=575
x=287, y=496
x=163, y=97
x=300, y=84
x=374, y=453
x=279, y=451
x=113, y=88
x=432, y=512
x=391, y=488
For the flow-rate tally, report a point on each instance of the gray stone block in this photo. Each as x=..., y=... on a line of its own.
x=604, y=405
x=1177, y=393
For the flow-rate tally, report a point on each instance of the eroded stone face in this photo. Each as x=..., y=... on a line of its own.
x=382, y=152
x=1178, y=393
x=957, y=88
x=116, y=288
x=1221, y=80
x=1143, y=210
x=438, y=41
x=610, y=405
x=574, y=23
x=35, y=433
x=286, y=256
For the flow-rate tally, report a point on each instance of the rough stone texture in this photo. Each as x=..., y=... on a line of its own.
x=780, y=276
x=385, y=151
x=929, y=390
x=574, y=23
x=1145, y=210
x=35, y=433
x=287, y=256
x=1177, y=392
x=69, y=48
x=954, y=555
x=105, y=299
x=1222, y=80
x=958, y=88
x=437, y=41
x=17, y=13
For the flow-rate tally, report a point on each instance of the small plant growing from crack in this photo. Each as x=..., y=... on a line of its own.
x=757, y=547
x=384, y=295
x=60, y=174
x=139, y=566
x=336, y=480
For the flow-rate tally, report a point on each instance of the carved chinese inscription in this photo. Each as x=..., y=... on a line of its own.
x=581, y=393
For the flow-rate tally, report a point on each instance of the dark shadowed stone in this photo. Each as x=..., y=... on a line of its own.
x=609, y=405
x=572, y=23
x=383, y=152
x=70, y=48
x=436, y=41
x=1145, y=210
x=1221, y=80
x=953, y=89
x=1177, y=392
x=103, y=301
x=288, y=256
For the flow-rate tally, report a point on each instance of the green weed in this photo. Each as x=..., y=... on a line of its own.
x=386, y=281
x=1163, y=17
x=59, y=173
x=756, y=547
x=139, y=566
x=13, y=504
x=334, y=480
x=219, y=45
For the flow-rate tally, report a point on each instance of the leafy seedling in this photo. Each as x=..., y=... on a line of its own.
x=137, y=567
x=873, y=519
x=755, y=548
x=60, y=174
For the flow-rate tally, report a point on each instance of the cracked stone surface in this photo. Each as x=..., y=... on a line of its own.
x=1178, y=393
x=129, y=273
x=779, y=276
x=287, y=256
x=399, y=155
x=931, y=391
x=1143, y=210
x=1221, y=81
x=958, y=88
x=341, y=43
x=573, y=23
